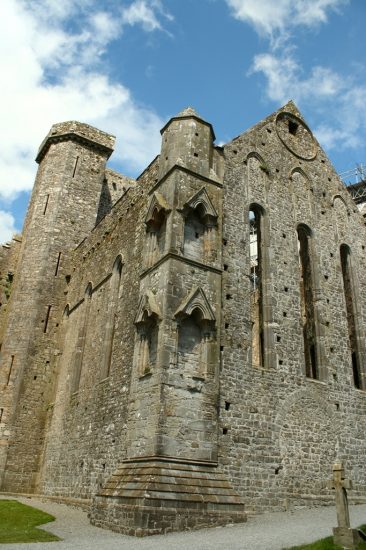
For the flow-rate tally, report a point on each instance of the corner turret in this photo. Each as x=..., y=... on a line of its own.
x=187, y=140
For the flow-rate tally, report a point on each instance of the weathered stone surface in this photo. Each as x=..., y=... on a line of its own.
x=210, y=314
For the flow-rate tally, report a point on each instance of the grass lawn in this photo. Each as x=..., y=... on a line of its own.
x=326, y=544
x=18, y=523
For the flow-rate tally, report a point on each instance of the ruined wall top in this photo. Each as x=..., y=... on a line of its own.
x=77, y=131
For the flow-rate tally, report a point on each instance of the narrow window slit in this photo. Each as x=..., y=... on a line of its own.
x=58, y=263
x=10, y=369
x=46, y=205
x=47, y=319
x=75, y=166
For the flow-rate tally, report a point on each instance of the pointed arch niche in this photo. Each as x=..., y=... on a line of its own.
x=196, y=335
x=114, y=285
x=302, y=195
x=200, y=228
x=353, y=321
x=261, y=307
x=147, y=335
x=309, y=317
x=80, y=346
x=155, y=222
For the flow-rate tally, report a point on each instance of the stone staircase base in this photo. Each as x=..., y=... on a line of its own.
x=158, y=496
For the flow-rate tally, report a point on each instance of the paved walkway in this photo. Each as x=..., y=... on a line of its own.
x=273, y=531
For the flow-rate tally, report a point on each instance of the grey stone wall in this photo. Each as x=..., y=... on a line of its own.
x=283, y=429
x=148, y=352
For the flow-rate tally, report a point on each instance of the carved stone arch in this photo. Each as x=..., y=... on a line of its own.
x=337, y=196
x=147, y=309
x=157, y=210
x=254, y=154
x=196, y=301
x=196, y=336
x=306, y=229
x=155, y=221
x=256, y=206
x=263, y=165
x=200, y=227
x=298, y=170
x=202, y=203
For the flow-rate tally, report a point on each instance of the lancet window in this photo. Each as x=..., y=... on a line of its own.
x=114, y=286
x=348, y=288
x=307, y=302
x=200, y=222
x=80, y=346
x=256, y=277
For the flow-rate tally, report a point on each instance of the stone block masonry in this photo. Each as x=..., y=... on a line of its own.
x=191, y=344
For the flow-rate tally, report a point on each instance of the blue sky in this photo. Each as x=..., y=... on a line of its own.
x=127, y=66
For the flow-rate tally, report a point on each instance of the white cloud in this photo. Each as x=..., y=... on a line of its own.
x=270, y=18
x=331, y=95
x=7, y=228
x=285, y=79
x=52, y=70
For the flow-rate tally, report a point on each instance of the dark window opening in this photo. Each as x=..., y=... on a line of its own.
x=351, y=318
x=313, y=361
x=10, y=369
x=1, y=414
x=356, y=371
x=46, y=204
x=227, y=405
x=307, y=303
x=224, y=431
x=256, y=268
x=292, y=127
x=75, y=166
x=58, y=263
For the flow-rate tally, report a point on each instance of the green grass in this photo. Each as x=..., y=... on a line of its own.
x=18, y=523
x=326, y=544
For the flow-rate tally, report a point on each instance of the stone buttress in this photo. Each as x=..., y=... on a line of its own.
x=170, y=480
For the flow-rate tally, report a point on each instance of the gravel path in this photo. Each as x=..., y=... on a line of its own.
x=272, y=531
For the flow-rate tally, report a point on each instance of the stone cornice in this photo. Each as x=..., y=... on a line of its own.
x=71, y=136
x=183, y=259
x=187, y=171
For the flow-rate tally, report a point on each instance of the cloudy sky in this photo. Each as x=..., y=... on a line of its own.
x=127, y=66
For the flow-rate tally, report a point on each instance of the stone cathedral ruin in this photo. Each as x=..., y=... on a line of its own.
x=183, y=349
